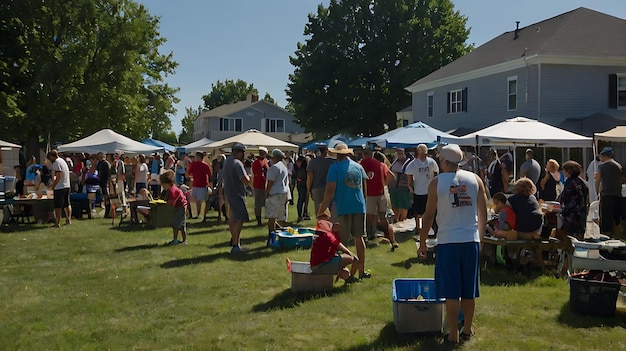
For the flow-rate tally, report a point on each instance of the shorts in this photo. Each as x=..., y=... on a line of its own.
x=259, y=200
x=236, y=207
x=139, y=186
x=199, y=193
x=352, y=225
x=456, y=270
x=179, y=221
x=419, y=204
x=376, y=204
x=61, y=198
x=400, y=198
x=276, y=207
x=332, y=266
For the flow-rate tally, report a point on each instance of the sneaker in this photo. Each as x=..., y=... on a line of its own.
x=394, y=246
x=236, y=249
x=351, y=279
x=183, y=242
x=306, y=217
x=366, y=275
x=174, y=242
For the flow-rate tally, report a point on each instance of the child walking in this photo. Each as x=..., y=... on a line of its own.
x=175, y=197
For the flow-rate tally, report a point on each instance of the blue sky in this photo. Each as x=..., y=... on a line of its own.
x=252, y=40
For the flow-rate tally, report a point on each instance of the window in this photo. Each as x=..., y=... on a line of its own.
x=402, y=122
x=430, y=104
x=231, y=124
x=275, y=125
x=457, y=101
x=512, y=93
x=617, y=91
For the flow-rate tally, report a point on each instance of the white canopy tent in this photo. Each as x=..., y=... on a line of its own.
x=109, y=142
x=7, y=145
x=522, y=131
x=252, y=139
x=411, y=136
x=9, y=157
x=196, y=145
x=617, y=134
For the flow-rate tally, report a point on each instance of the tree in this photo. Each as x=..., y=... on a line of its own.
x=268, y=98
x=351, y=72
x=186, y=134
x=168, y=136
x=72, y=67
x=228, y=92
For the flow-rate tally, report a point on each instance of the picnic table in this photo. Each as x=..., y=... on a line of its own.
x=524, y=252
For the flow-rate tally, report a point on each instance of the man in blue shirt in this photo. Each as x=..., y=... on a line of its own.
x=345, y=182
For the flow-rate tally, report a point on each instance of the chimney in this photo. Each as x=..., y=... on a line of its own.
x=253, y=98
x=516, y=30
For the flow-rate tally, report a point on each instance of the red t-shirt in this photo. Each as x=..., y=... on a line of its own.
x=175, y=197
x=259, y=169
x=510, y=217
x=200, y=172
x=324, y=247
x=376, y=172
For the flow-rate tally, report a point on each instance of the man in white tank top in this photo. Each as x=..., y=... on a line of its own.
x=458, y=199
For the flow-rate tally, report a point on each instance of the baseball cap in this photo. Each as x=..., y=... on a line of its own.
x=277, y=153
x=238, y=146
x=606, y=151
x=452, y=153
x=262, y=148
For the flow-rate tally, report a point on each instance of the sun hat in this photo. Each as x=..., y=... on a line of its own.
x=342, y=149
x=452, y=153
x=530, y=151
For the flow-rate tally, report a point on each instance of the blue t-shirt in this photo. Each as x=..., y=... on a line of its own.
x=349, y=177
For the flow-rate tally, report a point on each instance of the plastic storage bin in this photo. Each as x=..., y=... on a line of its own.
x=416, y=308
x=285, y=239
x=593, y=297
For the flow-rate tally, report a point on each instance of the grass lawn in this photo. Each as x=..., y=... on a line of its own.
x=90, y=286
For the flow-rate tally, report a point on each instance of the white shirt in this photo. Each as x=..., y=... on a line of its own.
x=59, y=165
x=278, y=173
x=423, y=172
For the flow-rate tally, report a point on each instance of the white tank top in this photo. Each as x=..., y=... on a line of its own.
x=457, y=195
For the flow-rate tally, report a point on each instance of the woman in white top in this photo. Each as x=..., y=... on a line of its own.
x=141, y=173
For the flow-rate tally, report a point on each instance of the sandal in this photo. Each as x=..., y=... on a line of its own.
x=466, y=337
x=448, y=341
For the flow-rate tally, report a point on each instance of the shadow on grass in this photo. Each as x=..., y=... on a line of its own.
x=15, y=228
x=288, y=299
x=574, y=320
x=409, y=262
x=247, y=255
x=389, y=338
x=139, y=247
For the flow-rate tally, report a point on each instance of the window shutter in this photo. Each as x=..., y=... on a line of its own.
x=613, y=91
x=464, y=100
x=449, y=102
x=262, y=129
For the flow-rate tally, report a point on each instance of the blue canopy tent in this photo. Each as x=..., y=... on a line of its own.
x=411, y=136
x=159, y=143
x=360, y=142
x=330, y=142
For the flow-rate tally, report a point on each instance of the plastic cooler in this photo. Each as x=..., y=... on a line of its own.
x=284, y=239
x=416, y=308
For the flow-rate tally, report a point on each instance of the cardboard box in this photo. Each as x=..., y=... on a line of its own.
x=303, y=280
x=416, y=308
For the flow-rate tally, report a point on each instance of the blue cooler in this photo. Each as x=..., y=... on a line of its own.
x=416, y=308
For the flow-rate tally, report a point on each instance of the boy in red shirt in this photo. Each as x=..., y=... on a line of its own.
x=175, y=197
x=324, y=256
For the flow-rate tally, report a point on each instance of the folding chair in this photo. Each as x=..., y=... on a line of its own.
x=120, y=204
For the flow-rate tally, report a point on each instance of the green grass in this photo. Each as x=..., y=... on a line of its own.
x=89, y=286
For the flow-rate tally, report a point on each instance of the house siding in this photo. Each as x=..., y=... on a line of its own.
x=487, y=101
x=252, y=118
x=576, y=92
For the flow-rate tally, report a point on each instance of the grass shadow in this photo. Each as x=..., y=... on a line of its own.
x=247, y=255
x=572, y=319
x=503, y=276
x=389, y=338
x=20, y=228
x=409, y=262
x=288, y=299
x=138, y=247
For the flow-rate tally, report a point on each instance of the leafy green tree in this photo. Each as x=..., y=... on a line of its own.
x=186, y=134
x=228, y=92
x=72, y=67
x=268, y=98
x=168, y=136
x=351, y=72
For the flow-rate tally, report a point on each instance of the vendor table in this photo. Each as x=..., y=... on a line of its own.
x=42, y=207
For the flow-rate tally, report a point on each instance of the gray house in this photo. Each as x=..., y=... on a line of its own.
x=557, y=71
x=228, y=120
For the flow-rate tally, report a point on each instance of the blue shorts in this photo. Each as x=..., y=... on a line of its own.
x=456, y=270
